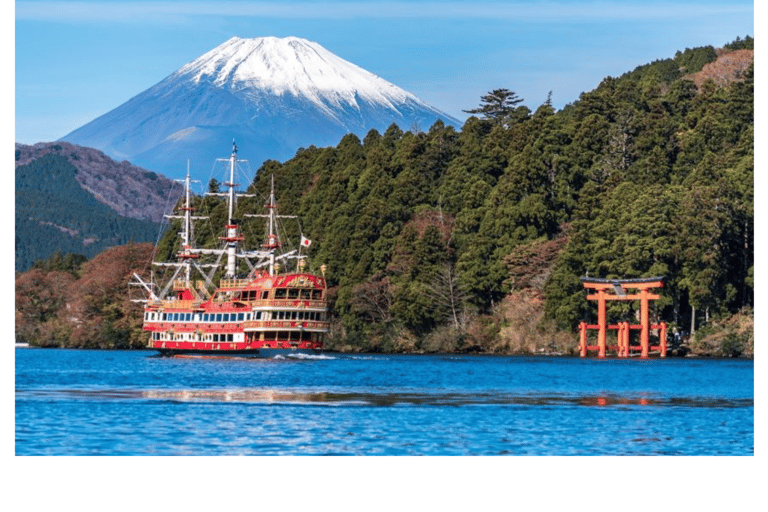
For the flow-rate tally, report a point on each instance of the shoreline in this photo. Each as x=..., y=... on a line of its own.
x=687, y=355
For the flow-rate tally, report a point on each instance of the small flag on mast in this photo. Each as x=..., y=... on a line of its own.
x=305, y=242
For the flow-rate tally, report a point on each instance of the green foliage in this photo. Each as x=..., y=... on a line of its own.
x=67, y=263
x=748, y=43
x=53, y=213
x=426, y=234
x=692, y=61
x=500, y=106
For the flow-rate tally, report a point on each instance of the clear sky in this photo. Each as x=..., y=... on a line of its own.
x=76, y=60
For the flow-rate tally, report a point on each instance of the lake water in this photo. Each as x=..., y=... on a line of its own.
x=87, y=402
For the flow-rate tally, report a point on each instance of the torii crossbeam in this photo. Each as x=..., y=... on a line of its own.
x=620, y=287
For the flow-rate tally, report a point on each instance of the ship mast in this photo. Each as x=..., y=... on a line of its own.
x=232, y=237
x=272, y=242
x=188, y=254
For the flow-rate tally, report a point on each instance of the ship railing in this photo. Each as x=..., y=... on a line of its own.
x=176, y=304
x=180, y=304
x=289, y=303
x=233, y=283
x=285, y=324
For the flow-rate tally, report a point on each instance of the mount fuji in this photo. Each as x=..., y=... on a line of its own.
x=272, y=95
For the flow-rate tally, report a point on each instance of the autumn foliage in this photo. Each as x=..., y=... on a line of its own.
x=86, y=308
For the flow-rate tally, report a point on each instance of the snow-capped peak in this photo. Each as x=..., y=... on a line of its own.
x=272, y=95
x=295, y=66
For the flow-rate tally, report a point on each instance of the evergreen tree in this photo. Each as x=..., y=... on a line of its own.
x=498, y=106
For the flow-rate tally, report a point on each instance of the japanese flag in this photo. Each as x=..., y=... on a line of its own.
x=305, y=242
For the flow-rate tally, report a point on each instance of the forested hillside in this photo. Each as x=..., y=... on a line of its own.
x=75, y=199
x=474, y=240
x=54, y=213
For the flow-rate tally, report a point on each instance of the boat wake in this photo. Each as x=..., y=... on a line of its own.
x=305, y=356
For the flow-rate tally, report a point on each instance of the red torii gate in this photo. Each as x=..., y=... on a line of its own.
x=620, y=287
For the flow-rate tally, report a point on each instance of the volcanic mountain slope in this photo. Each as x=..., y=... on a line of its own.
x=272, y=95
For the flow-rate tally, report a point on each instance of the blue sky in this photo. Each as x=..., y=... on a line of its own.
x=76, y=60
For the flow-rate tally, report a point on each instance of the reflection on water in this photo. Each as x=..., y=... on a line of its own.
x=130, y=403
x=273, y=396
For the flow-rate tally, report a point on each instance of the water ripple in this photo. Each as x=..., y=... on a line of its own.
x=390, y=399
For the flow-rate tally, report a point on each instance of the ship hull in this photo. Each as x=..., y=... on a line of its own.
x=264, y=353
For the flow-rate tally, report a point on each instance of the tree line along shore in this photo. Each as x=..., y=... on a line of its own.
x=475, y=240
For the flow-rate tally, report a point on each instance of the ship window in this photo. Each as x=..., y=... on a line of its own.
x=280, y=293
x=295, y=336
x=226, y=317
x=258, y=315
x=189, y=317
x=265, y=295
x=294, y=315
x=229, y=337
x=306, y=294
x=293, y=293
x=316, y=294
x=218, y=317
x=240, y=317
x=270, y=336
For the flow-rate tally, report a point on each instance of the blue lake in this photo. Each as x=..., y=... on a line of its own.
x=87, y=402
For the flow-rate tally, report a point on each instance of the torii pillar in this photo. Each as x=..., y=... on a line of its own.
x=620, y=287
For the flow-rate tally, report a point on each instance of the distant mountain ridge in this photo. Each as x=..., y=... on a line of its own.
x=77, y=200
x=127, y=189
x=273, y=95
